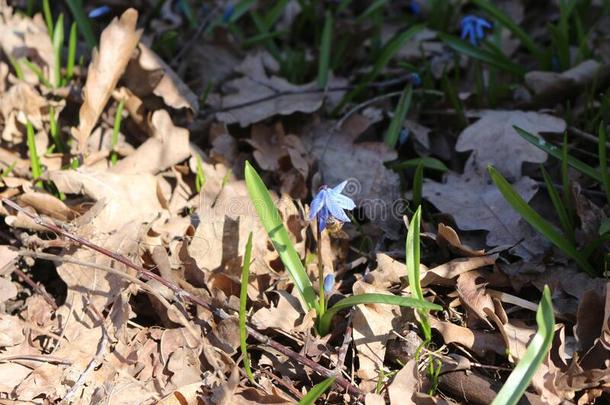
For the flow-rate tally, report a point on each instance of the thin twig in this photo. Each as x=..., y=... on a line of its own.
x=36, y=287
x=181, y=293
x=345, y=345
x=34, y=357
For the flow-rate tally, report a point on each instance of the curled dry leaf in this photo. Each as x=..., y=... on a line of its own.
x=481, y=343
x=284, y=316
x=473, y=298
x=551, y=87
x=497, y=143
x=447, y=236
x=117, y=44
x=148, y=74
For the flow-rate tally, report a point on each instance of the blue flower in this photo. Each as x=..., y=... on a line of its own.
x=473, y=28
x=99, y=11
x=415, y=79
x=329, y=202
x=329, y=283
x=228, y=13
x=414, y=8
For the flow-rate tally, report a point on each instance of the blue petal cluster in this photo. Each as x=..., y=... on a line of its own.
x=329, y=202
x=329, y=283
x=99, y=11
x=473, y=28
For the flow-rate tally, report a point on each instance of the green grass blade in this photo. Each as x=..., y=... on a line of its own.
x=84, y=25
x=118, y=118
x=391, y=136
x=34, y=159
x=71, y=53
x=519, y=379
x=325, y=48
x=426, y=162
x=272, y=222
x=560, y=209
x=317, y=391
x=48, y=17
x=37, y=71
x=413, y=260
x=418, y=182
x=200, y=178
x=603, y=158
x=58, y=44
x=507, y=22
x=348, y=302
x=556, y=153
x=483, y=55
x=366, y=14
x=243, y=298
x=54, y=130
x=537, y=222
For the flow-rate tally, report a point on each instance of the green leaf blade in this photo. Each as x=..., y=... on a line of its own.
x=522, y=374
x=243, y=299
x=272, y=222
x=317, y=391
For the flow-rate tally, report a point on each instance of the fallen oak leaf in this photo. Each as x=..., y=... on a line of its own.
x=497, y=143
x=473, y=298
x=117, y=44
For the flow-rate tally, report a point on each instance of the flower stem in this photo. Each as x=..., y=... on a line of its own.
x=321, y=293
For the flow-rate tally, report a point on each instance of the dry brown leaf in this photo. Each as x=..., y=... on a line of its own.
x=8, y=290
x=283, y=154
x=473, y=298
x=404, y=384
x=372, y=325
x=446, y=272
x=256, y=84
x=168, y=146
x=447, y=236
x=47, y=204
x=480, y=343
x=24, y=37
x=374, y=399
x=497, y=143
x=148, y=74
x=284, y=316
x=43, y=380
x=11, y=331
x=373, y=187
x=117, y=44
x=550, y=87
x=476, y=203
x=21, y=103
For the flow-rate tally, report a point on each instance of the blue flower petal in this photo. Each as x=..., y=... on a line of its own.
x=99, y=11
x=316, y=204
x=339, y=188
x=329, y=283
x=343, y=201
x=323, y=218
x=335, y=210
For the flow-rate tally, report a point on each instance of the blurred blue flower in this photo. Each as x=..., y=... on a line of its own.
x=329, y=202
x=99, y=11
x=414, y=8
x=403, y=137
x=329, y=283
x=228, y=13
x=415, y=79
x=473, y=28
